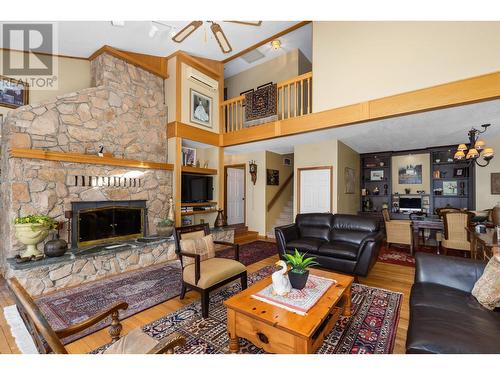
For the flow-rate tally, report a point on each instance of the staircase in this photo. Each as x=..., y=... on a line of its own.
x=285, y=218
x=243, y=235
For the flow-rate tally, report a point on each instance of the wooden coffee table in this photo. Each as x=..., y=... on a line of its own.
x=277, y=330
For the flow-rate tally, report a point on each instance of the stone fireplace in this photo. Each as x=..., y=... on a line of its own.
x=95, y=223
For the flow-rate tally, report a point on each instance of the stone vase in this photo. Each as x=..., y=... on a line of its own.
x=31, y=235
x=164, y=230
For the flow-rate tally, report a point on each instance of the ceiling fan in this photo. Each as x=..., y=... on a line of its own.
x=219, y=35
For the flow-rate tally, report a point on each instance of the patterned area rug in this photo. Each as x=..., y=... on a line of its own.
x=401, y=255
x=141, y=289
x=251, y=252
x=370, y=329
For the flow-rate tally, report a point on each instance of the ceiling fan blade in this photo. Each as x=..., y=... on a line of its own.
x=221, y=38
x=187, y=31
x=248, y=23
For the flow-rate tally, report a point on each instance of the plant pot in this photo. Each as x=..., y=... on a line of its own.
x=31, y=235
x=165, y=230
x=298, y=280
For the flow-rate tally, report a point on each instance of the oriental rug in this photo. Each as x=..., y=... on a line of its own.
x=370, y=329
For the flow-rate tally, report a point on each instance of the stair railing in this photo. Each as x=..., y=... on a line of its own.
x=279, y=192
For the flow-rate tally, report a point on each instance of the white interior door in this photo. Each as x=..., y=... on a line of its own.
x=235, y=196
x=315, y=190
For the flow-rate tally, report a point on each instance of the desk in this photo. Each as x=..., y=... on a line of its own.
x=428, y=223
x=483, y=245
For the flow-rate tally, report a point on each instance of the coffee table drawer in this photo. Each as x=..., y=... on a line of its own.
x=262, y=335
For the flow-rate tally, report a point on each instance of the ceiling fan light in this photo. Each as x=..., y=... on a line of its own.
x=153, y=30
x=479, y=145
x=187, y=31
x=221, y=38
x=118, y=23
x=276, y=44
x=459, y=155
x=462, y=147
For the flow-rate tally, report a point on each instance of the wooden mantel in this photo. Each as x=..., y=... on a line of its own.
x=71, y=157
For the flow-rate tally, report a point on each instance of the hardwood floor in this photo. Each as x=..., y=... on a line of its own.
x=387, y=276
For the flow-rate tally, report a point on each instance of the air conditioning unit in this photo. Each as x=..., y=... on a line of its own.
x=201, y=79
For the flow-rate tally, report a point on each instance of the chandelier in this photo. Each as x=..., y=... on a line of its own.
x=476, y=148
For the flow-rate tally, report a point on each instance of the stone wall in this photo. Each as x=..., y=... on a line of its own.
x=125, y=113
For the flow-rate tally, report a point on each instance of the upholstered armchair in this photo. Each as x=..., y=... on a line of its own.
x=201, y=270
x=47, y=340
x=455, y=232
x=397, y=231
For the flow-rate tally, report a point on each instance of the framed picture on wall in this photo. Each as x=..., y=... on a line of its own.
x=13, y=93
x=377, y=175
x=410, y=174
x=349, y=180
x=273, y=177
x=495, y=183
x=200, y=109
x=450, y=188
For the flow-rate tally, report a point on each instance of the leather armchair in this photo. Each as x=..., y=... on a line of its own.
x=344, y=243
x=444, y=316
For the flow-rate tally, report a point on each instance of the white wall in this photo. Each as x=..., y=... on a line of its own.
x=359, y=61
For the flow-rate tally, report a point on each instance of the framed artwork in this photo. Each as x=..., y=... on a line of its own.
x=450, y=188
x=200, y=109
x=13, y=93
x=349, y=180
x=495, y=183
x=188, y=156
x=460, y=172
x=287, y=162
x=377, y=175
x=410, y=174
x=273, y=177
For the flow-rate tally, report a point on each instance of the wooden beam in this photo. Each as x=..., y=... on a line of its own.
x=178, y=180
x=179, y=129
x=206, y=66
x=452, y=94
x=156, y=65
x=267, y=40
x=71, y=157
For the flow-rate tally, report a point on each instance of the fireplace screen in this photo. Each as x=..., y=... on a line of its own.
x=104, y=224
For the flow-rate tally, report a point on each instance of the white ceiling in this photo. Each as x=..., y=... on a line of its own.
x=427, y=129
x=298, y=39
x=82, y=38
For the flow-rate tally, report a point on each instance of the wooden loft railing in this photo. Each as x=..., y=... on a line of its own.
x=294, y=100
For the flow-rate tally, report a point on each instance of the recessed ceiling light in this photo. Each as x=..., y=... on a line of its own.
x=118, y=23
x=276, y=44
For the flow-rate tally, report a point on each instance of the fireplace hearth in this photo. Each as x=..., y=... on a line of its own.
x=94, y=223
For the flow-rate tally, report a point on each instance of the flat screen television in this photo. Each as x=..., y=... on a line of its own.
x=196, y=188
x=410, y=204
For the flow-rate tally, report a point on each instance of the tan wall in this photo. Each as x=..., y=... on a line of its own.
x=170, y=91
x=73, y=75
x=347, y=157
x=304, y=64
x=186, y=87
x=255, y=208
x=358, y=61
x=275, y=161
x=278, y=69
x=415, y=159
x=316, y=155
x=484, y=198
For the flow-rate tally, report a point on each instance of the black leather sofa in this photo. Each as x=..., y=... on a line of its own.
x=444, y=316
x=344, y=243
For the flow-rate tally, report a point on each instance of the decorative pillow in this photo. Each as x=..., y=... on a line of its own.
x=203, y=246
x=487, y=288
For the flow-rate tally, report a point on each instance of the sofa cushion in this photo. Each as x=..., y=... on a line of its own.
x=203, y=246
x=449, y=320
x=436, y=330
x=487, y=288
x=352, y=228
x=212, y=271
x=314, y=225
x=305, y=244
x=339, y=249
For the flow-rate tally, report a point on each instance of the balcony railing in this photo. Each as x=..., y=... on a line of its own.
x=294, y=100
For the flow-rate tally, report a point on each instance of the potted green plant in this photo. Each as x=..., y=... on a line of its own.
x=31, y=230
x=299, y=273
x=165, y=227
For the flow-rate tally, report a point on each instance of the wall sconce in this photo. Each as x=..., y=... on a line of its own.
x=252, y=168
